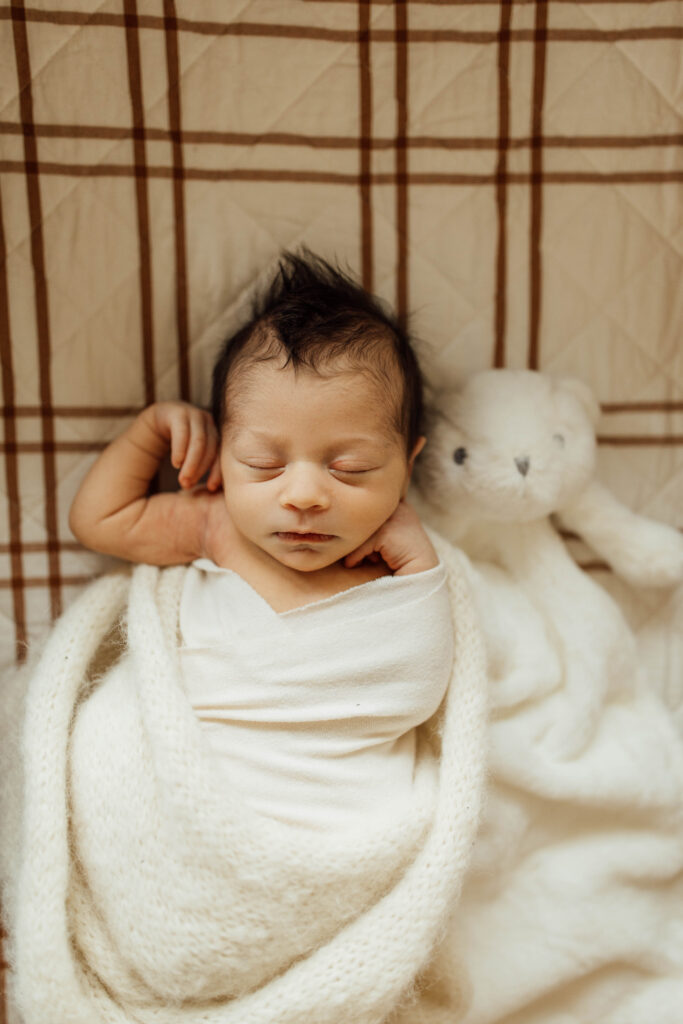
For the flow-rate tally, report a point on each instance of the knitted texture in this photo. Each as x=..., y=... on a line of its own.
x=146, y=893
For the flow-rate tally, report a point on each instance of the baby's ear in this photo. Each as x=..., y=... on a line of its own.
x=583, y=394
x=419, y=445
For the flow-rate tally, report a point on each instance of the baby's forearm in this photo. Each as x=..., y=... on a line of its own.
x=123, y=471
x=113, y=513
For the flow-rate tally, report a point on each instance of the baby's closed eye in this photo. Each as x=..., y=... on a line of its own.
x=350, y=469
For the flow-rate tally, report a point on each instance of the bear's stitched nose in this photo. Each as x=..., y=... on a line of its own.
x=522, y=465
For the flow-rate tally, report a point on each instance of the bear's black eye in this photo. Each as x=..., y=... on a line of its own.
x=459, y=455
x=560, y=439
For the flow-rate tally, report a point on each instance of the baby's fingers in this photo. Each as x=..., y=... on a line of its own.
x=201, y=449
x=209, y=457
x=366, y=549
x=215, y=478
x=180, y=437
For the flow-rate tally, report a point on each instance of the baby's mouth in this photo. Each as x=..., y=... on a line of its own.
x=304, y=538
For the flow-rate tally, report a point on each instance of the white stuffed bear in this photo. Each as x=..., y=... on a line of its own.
x=508, y=449
x=514, y=446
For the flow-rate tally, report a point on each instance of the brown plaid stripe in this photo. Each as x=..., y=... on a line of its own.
x=453, y=152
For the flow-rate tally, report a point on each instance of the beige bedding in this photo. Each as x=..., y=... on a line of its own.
x=509, y=173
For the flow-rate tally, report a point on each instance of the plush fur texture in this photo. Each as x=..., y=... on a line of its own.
x=514, y=446
x=571, y=910
x=508, y=449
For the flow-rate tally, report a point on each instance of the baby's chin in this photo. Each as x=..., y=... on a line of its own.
x=308, y=555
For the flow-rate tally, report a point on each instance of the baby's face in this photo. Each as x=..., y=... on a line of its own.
x=310, y=465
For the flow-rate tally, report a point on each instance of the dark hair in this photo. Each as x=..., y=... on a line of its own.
x=313, y=313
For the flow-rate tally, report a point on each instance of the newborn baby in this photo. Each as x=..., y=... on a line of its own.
x=304, y=551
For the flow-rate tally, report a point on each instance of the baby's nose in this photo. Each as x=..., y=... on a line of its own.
x=304, y=488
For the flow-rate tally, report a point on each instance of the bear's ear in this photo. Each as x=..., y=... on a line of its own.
x=583, y=395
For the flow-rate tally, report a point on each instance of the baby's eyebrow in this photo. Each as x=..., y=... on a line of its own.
x=370, y=439
x=344, y=441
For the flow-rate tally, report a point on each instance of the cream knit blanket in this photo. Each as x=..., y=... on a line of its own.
x=139, y=892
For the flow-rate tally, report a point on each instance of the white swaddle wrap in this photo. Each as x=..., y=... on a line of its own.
x=311, y=712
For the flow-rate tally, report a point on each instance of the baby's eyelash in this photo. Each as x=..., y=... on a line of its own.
x=280, y=467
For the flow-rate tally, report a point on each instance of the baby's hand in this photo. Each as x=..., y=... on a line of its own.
x=401, y=542
x=193, y=440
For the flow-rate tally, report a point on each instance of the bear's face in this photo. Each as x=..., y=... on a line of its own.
x=511, y=445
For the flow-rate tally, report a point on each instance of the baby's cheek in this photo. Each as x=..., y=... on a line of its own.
x=371, y=517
